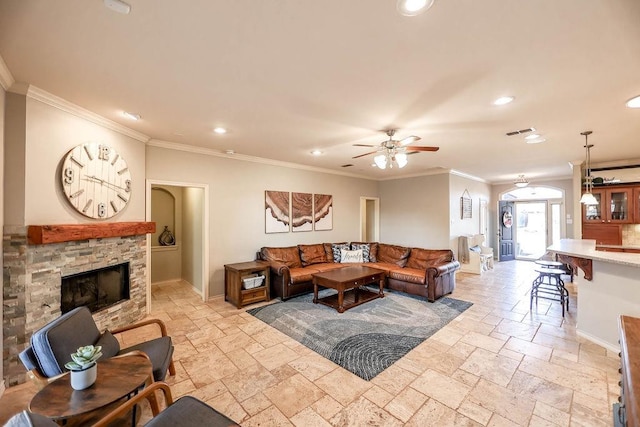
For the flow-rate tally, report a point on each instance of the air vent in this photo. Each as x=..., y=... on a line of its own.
x=347, y=165
x=520, y=132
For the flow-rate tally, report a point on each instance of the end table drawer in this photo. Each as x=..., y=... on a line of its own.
x=252, y=295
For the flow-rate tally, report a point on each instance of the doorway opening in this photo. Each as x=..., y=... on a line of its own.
x=369, y=219
x=537, y=219
x=179, y=250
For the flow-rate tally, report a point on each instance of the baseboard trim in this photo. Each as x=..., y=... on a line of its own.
x=598, y=341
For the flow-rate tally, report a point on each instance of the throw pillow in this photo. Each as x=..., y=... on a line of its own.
x=109, y=343
x=350, y=256
x=366, y=250
x=336, y=248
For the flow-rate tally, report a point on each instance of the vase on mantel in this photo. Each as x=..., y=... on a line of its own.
x=84, y=378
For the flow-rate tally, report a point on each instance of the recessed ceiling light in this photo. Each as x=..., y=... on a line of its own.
x=532, y=136
x=220, y=131
x=131, y=116
x=503, y=100
x=316, y=152
x=535, y=141
x=634, y=102
x=118, y=6
x=413, y=7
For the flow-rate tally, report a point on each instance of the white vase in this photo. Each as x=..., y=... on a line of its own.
x=85, y=378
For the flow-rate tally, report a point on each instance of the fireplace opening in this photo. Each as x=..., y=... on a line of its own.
x=96, y=289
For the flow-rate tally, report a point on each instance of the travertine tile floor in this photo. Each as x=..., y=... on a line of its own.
x=495, y=365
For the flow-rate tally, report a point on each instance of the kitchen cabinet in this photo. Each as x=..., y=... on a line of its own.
x=616, y=206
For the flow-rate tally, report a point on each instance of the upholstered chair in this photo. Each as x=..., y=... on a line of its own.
x=52, y=345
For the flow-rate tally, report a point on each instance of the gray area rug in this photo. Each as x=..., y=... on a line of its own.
x=364, y=340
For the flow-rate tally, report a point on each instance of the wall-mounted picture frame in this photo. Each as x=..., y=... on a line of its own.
x=466, y=206
x=322, y=212
x=277, y=218
x=301, y=212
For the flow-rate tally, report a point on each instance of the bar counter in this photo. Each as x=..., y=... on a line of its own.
x=609, y=287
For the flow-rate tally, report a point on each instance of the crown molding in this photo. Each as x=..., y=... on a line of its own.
x=66, y=106
x=211, y=152
x=6, y=79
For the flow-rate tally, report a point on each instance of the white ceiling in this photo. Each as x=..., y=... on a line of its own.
x=289, y=76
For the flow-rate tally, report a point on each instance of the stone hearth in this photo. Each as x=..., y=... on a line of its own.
x=32, y=281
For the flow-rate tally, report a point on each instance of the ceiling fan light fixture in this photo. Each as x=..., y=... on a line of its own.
x=401, y=160
x=413, y=7
x=381, y=161
x=521, y=182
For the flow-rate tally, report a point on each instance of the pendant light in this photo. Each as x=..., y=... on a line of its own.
x=588, y=197
x=521, y=182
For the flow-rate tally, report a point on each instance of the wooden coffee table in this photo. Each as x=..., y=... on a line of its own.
x=118, y=377
x=349, y=282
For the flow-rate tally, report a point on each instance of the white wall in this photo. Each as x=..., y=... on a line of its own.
x=236, y=203
x=415, y=211
x=49, y=133
x=476, y=190
x=192, y=241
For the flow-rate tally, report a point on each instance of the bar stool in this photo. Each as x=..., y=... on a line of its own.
x=556, y=264
x=549, y=283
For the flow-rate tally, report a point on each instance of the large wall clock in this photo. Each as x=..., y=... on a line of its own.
x=96, y=180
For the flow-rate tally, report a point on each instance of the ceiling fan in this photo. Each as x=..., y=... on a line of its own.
x=394, y=150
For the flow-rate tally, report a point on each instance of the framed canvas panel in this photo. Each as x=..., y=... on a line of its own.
x=301, y=212
x=322, y=212
x=276, y=211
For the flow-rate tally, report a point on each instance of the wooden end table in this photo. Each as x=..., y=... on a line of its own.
x=349, y=282
x=117, y=377
x=233, y=275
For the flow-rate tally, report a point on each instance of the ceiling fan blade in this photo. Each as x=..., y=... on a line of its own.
x=409, y=140
x=423, y=148
x=365, y=154
x=411, y=152
x=364, y=145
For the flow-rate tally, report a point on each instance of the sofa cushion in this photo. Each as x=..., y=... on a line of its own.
x=411, y=275
x=424, y=258
x=312, y=254
x=382, y=266
x=392, y=254
x=327, y=266
x=299, y=274
x=365, y=248
x=288, y=256
x=336, y=248
x=349, y=257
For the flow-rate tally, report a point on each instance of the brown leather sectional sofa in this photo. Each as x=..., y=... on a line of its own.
x=425, y=272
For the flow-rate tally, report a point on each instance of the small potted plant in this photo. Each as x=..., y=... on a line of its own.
x=83, y=367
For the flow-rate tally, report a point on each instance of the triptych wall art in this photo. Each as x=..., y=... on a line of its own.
x=295, y=212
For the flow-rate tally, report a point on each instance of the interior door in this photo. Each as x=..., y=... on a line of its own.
x=505, y=230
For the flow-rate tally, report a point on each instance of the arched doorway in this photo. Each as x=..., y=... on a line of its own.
x=537, y=219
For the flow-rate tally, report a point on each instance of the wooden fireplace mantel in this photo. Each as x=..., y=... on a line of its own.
x=45, y=234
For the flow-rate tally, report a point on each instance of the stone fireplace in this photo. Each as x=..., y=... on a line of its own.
x=96, y=289
x=35, y=262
